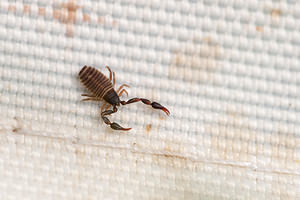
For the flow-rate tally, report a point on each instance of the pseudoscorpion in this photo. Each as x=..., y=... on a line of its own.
x=101, y=88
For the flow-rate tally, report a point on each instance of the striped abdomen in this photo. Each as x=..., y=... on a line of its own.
x=96, y=82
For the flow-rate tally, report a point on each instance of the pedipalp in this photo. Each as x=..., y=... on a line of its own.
x=154, y=105
x=113, y=125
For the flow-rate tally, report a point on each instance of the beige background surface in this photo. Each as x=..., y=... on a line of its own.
x=228, y=71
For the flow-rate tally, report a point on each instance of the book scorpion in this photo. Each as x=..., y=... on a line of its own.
x=102, y=89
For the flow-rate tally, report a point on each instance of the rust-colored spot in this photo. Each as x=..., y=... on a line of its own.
x=77, y=151
x=224, y=136
x=57, y=14
x=71, y=8
x=171, y=160
x=115, y=23
x=18, y=126
x=12, y=8
x=207, y=39
x=101, y=20
x=168, y=148
x=275, y=12
x=178, y=58
x=15, y=130
x=66, y=14
x=70, y=19
x=42, y=11
x=196, y=62
x=162, y=117
x=26, y=9
x=148, y=128
x=86, y=18
x=69, y=32
x=174, y=156
x=259, y=28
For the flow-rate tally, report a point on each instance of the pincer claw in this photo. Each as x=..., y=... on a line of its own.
x=116, y=126
x=159, y=106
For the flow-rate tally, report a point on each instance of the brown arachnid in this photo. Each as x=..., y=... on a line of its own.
x=101, y=89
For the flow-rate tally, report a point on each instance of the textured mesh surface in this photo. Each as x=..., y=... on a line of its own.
x=228, y=71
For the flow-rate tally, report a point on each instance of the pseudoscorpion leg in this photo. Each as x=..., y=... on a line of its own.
x=120, y=94
x=110, y=73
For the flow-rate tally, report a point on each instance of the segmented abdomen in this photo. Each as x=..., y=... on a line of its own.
x=96, y=82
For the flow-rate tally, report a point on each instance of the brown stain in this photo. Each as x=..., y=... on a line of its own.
x=70, y=30
x=170, y=160
x=18, y=126
x=196, y=61
x=172, y=148
x=259, y=29
x=42, y=11
x=168, y=148
x=101, y=20
x=26, y=9
x=115, y=23
x=225, y=137
x=86, y=18
x=12, y=8
x=275, y=16
x=57, y=14
x=233, y=138
x=15, y=130
x=71, y=8
x=275, y=12
x=76, y=151
x=283, y=146
x=207, y=39
x=148, y=128
x=162, y=117
x=178, y=58
x=170, y=156
x=66, y=13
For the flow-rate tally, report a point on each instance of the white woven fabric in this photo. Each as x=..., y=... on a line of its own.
x=228, y=71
